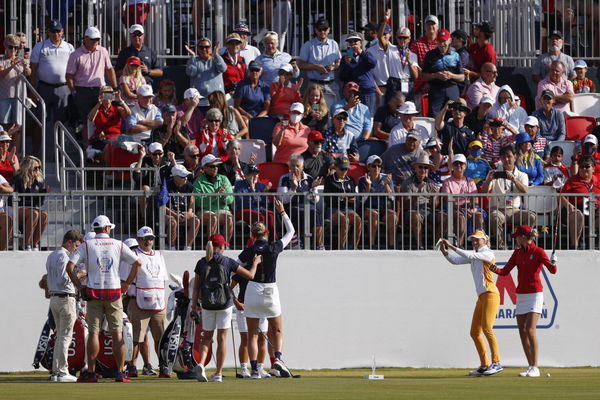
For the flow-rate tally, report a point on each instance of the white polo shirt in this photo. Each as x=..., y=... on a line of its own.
x=52, y=60
x=56, y=270
x=391, y=63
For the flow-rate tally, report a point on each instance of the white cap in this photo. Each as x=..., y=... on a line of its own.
x=180, y=171
x=144, y=231
x=5, y=138
x=580, y=64
x=130, y=242
x=145, y=91
x=532, y=121
x=340, y=111
x=298, y=107
x=372, y=158
x=136, y=28
x=591, y=139
x=486, y=99
x=353, y=36
x=287, y=68
x=155, y=146
x=432, y=18
x=460, y=158
x=89, y=236
x=408, y=108
x=92, y=32
x=191, y=93
x=102, y=221
x=404, y=31
x=209, y=159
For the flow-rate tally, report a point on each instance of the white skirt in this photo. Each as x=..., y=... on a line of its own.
x=262, y=300
x=240, y=318
x=530, y=302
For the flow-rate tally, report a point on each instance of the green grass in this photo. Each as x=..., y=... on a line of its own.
x=399, y=383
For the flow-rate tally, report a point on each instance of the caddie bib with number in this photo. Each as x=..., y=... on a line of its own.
x=150, y=281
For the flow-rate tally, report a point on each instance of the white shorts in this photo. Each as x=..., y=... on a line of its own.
x=262, y=300
x=216, y=319
x=530, y=302
x=240, y=318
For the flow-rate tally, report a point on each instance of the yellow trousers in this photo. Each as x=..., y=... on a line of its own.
x=484, y=316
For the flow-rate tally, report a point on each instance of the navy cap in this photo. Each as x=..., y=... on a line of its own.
x=342, y=162
x=170, y=108
x=254, y=66
x=250, y=169
x=55, y=26
x=322, y=23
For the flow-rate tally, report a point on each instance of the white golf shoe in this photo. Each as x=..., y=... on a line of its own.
x=200, y=373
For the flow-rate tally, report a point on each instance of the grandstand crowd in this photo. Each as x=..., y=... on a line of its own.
x=338, y=119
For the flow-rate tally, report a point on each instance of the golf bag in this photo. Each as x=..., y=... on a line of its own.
x=106, y=365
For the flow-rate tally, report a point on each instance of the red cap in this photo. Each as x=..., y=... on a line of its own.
x=315, y=135
x=522, y=230
x=218, y=240
x=351, y=86
x=134, y=61
x=443, y=34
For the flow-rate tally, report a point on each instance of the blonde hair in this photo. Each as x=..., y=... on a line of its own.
x=323, y=109
x=525, y=158
x=12, y=40
x=533, y=235
x=28, y=173
x=210, y=251
x=217, y=100
x=258, y=230
x=136, y=73
x=271, y=35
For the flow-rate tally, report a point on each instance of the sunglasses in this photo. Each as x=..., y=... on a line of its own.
x=213, y=120
x=375, y=166
x=157, y=154
x=194, y=155
x=212, y=166
x=322, y=29
x=402, y=37
x=14, y=47
x=343, y=169
x=341, y=118
x=203, y=47
x=147, y=238
x=138, y=34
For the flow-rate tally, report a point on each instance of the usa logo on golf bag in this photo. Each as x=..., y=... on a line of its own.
x=506, y=317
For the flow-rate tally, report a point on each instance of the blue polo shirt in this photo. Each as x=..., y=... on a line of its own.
x=253, y=99
x=435, y=61
x=271, y=66
x=335, y=143
x=359, y=118
x=553, y=128
x=325, y=53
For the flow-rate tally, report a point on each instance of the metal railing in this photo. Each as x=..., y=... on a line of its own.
x=25, y=89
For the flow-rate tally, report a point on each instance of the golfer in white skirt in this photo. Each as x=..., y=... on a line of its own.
x=529, y=260
x=262, y=295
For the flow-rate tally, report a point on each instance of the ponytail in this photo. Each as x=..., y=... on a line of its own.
x=209, y=251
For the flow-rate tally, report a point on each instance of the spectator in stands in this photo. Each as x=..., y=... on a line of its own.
x=527, y=161
x=191, y=161
x=155, y=159
x=580, y=208
x=108, y=116
x=479, y=117
x=589, y=147
x=338, y=140
x=357, y=66
x=542, y=65
x=236, y=66
x=48, y=67
x=248, y=52
x=440, y=162
x=232, y=119
x=551, y=121
x=137, y=12
x=388, y=116
x=398, y=134
x=496, y=139
x=443, y=70
x=11, y=67
x=284, y=92
x=582, y=84
x=532, y=127
x=555, y=172
x=507, y=210
x=559, y=85
x=32, y=219
x=251, y=209
x=130, y=80
x=370, y=33
x=397, y=160
x=380, y=207
x=419, y=210
x=320, y=57
x=458, y=42
x=485, y=85
x=421, y=47
x=317, y=163
x=86, y=69
x=6, y=221
x=252, y=97
x=342, y=208
x=9, y=161
x=272, y=59
x=214, y=210
x=180, y=208
x=213, y=139
x=482, y=51
x=477, y=166
x=298, y=181
x=145, y=116
x=149, y=66
x=359, y=115
x=316, y=112
x=206, y=70
x=172, y=136
x=464, y=207
x=455, y=130
x=166, y=95
x=507, y=107
x=234, y=168
x=290, y=137
x=190, y=112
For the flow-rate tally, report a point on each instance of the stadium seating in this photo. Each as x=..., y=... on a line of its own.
x=427, y=123
x=250, y=146
x=368, y=148
x=587, y=104
x=357, y=170
x=271, y=172
x=425, y=104
x=578, y=127
x=568, y=147
x=262, y=128
x=543, y=203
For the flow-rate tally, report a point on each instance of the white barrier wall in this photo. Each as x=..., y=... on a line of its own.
x=339, y=308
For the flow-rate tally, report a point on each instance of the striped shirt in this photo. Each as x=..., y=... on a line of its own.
x=491, y=146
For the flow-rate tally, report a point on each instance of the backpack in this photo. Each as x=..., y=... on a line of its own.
x=215, y=286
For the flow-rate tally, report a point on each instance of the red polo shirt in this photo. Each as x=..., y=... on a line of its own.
x=529, y=264
x=481, y=55
x=577, y=184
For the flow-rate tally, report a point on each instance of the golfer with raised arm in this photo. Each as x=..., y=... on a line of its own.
x=488, y=298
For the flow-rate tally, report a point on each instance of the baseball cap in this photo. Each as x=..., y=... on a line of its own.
x=372, y=158
x=432, y=18
x=145, y=91
x=136, y=28
x=287, y=68
x=251, y=169
x=547, y=93
x=459, y=158
x=89, y=235
x=254, y=66
x=154, y=147
x=130, y=242
x=522, y=230
x=144, y=231
x=497, y=122
x=322, y=23
x=404, y=32
x=170, y=108
x=590, y=139
x=297, y=107
x=92, y=32
x=557, y=33
x=134, y=61
x=351, y=86
x=55, y=26
x=180, y=171
x=353, y=36
x=371, y=26
x=342, y=162
x=486, y=99
x=218, y=240
x=242, y=28
x=476, y=143
x=315, y=136
x=580, y=64
x=413, y=134
x=443, y=34
x=432, y=142
x=209, y=159
x=102, y=221
x=532, y=121
x=408, y=108
x=5, y=138
x=339, y=111
x=233, y=37
x=191, y=93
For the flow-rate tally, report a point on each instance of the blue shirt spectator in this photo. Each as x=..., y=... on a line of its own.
x=258, y=203
x=322, y=52
x=205, y=71
x=252, y=96
x=338, y=140
x=359, y=121
x=552, y=123
x=359, y=67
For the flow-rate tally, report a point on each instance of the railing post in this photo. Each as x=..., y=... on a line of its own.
x=161, y=227
x=306, y=234
x=592, y=228
x=15, y=217
x=450, y=222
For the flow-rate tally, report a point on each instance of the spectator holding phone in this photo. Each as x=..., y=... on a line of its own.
x=338, y=140
x=284, y=93
x=357, y=66
x=316, y=112
x=455, y=129
x=290, y=136
x=11, y=67
x=359, y=121
x=107, y=115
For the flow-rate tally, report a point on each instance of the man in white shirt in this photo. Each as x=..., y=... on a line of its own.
x=145, y=116
x=398, y=134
